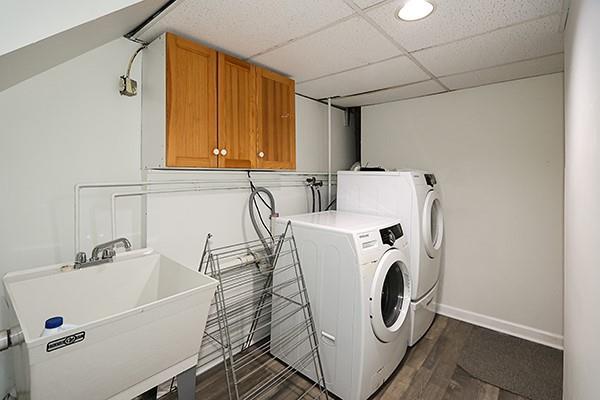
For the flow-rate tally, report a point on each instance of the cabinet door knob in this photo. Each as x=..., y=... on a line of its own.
x=216, y=152
x=261, y=154
x=224, y=152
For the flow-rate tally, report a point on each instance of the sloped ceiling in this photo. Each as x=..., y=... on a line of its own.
x=357, y=52
x=40, y=36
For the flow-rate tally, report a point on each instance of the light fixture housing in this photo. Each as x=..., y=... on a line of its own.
x=415, y=10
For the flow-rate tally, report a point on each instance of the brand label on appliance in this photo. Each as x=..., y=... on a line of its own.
x=65, y=341
x=367, y=240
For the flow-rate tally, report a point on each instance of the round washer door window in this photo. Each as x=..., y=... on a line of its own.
x=390, y=295
x=433, y=224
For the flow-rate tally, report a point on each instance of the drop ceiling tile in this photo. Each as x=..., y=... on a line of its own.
x=522, y=69
x=457, y=19
x=346, y=45
x=245, y=27
x=385, y=96
x=529, y=40
x=397, y=71
x=367, y=3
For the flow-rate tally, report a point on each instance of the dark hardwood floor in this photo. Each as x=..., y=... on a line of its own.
x=429, y=371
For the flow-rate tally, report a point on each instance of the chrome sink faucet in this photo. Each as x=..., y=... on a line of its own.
x=102, y=253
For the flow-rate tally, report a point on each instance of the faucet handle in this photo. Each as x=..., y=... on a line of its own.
x=80, y=258
x=108, y=253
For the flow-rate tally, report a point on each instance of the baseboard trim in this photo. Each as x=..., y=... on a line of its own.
x=510, y=328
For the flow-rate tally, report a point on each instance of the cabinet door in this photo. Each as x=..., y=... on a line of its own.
x=191, y=104
x=237, y=126
x=276, y=121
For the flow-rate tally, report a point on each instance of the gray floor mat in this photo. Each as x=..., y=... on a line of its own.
x=525, y=368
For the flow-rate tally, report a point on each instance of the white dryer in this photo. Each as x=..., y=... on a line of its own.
x=356, y=271
x=413, y=198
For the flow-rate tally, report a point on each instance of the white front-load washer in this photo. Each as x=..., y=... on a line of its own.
x=355, y=267
x=412, y=197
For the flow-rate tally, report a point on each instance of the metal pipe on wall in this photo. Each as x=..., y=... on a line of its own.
x=11, y=337
x=81, y=186
x=329, y=150
x=115, y=196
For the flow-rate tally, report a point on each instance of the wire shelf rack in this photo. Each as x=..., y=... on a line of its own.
x=261, y=325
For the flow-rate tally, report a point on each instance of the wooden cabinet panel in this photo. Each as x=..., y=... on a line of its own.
x=204, y=109
x=191, y=80
x=236, y=112
x=276, y=121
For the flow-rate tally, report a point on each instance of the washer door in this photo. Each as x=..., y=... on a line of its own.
x=433, y=224
x=390, y=295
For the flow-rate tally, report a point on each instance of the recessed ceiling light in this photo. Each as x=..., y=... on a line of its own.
x=414, y=10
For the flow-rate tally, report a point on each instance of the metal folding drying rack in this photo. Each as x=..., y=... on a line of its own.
x=262, y=290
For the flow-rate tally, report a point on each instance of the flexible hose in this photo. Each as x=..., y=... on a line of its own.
x=319, y=197
x=252, y=205
x=251, y=208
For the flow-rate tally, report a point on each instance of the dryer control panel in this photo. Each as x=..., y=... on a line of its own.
x=430, y=179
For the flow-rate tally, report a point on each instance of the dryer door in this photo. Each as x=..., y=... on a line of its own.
x=433, y=224
x=390, y=295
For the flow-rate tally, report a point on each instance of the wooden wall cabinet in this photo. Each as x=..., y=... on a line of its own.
x=276, y=121
x=204, y=109
x=179, y=104
x=237, y=113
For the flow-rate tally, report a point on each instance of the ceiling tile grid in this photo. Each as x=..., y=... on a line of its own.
x=522, y=69
x=525, y=41
x=458, y=19
x=368, y=3
x=395, y=94
x=351, y=43
x=246, y=28
x=351, y=47
x=394, y=72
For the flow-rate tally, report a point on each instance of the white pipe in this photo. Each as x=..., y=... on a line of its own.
x=114, y=196
x=329, y=150
x=81, y=186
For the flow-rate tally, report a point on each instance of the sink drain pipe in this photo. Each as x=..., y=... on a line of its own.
x=11, y=337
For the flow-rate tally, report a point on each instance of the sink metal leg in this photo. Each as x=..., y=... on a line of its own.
x=186, y=384
x=148, y=395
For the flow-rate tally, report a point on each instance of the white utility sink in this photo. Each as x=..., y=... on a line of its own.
x=140, y=320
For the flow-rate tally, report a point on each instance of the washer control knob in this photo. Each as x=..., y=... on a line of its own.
x=388, y=237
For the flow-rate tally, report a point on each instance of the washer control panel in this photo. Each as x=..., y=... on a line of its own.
x=391, y=234
x=372, y=244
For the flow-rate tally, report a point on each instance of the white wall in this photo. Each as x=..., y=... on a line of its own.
x=498, y=153
x=582, y=202
x=64, y=126
x=69, y=125
x=311, y=137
